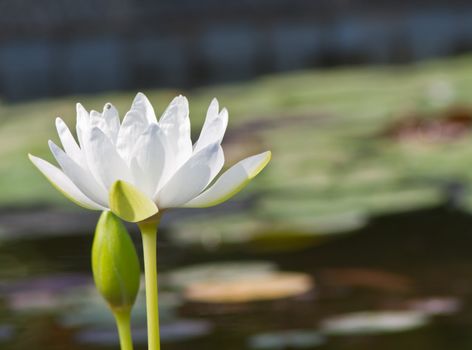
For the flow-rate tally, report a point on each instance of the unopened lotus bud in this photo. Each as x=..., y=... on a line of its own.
x=115, y=264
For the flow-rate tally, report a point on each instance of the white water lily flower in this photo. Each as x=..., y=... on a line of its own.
x=150, y=163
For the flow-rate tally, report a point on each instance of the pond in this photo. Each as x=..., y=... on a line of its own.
x=402, y=280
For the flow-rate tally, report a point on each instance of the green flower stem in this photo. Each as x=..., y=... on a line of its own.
x=123, y=323
x=149, y=235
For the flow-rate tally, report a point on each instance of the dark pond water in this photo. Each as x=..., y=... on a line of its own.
x=403, y=281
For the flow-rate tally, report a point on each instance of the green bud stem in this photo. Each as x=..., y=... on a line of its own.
x=123, y=323
x=116, y=271
x=149, y=235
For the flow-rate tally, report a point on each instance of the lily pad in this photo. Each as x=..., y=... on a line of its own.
x=437, y=306
x=220, y=272
x=374, y=322
x=293, y=339
x=238, y=282
x=271, y=287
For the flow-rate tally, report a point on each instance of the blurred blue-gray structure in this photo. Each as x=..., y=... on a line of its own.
x=59, y=47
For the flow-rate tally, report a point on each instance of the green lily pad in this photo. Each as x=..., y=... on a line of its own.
x=281, y=340
x=374, y=322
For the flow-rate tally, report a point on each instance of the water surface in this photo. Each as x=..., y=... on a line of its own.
x=403, y=280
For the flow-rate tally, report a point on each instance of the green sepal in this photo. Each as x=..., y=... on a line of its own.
x=115, y=263
x=129, y=203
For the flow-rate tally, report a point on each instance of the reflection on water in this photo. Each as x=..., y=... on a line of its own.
x=403, y=280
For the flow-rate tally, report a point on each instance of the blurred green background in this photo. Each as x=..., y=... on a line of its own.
x=357, y=234
x=348, y=143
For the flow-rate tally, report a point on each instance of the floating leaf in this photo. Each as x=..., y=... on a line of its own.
x=274, y=286
x=294, y=339
x=374, y=322
x=220, y=272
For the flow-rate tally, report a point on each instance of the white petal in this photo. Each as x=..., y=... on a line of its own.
x=107, y=121
x=134, y=125
x=112, y=120
x=141, y=102
x=175, y=124
x=81, y=177
x=231, y=182
x=217, y=165
x=190, y=179
x=213, y=129
x=103, y=160
x=82, y=122
x=147, y=161
x=64, y=184
x=96, y=120
x=68, y=142
x=213, y=110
